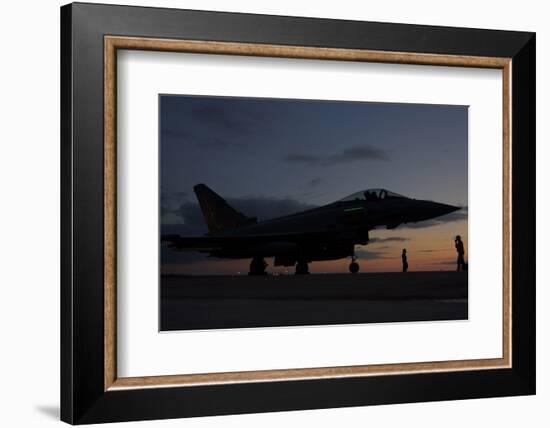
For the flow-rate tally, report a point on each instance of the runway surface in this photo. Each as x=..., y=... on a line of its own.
x=210, y=302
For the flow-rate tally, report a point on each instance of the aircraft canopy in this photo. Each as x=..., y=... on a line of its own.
x=372, y=195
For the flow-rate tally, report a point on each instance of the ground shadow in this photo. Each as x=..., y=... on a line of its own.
x=50, y=411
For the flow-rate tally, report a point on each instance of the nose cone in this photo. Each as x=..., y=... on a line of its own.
x=442, y=209
x=426, y=210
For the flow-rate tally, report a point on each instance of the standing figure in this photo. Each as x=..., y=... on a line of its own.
x=404, y=260
x=459, y=245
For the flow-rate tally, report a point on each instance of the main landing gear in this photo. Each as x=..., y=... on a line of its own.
x=302, y=267
x=353, y=266
x=257, y=266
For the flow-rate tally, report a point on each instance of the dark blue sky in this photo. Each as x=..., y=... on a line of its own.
x=313, y=151
x=272, y=156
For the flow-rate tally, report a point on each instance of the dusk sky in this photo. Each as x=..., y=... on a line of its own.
x=271, y=157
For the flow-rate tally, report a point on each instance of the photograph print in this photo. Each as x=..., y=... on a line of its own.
x=290, y=212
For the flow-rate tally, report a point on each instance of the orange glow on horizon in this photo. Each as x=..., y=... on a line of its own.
x=428, y=249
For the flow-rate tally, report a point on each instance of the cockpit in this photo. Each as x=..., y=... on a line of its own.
x=372, y=195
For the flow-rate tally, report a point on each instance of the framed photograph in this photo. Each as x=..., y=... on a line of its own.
x=266, y=213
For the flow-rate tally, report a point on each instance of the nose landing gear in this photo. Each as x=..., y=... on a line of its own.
x=353, y=266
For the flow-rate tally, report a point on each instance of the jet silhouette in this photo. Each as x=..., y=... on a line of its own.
x=329, y=232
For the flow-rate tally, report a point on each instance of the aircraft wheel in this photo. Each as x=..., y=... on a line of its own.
x=354, y=267
x=257, y=266
x=302, y=268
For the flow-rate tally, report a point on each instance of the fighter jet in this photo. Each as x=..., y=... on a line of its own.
x=329, y=232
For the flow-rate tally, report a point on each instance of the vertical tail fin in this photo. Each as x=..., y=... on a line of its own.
x=218, y=214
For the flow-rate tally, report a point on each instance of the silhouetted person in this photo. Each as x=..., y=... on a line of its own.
x=404, y=260
x=459, y=245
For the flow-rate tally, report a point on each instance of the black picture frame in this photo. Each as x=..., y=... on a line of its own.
x=83, y=396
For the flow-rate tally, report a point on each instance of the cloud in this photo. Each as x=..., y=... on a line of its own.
x=389, y=239
x=351, y=154
x=315, y=181
x=206, y=138
x=192, y=221
x=359, y=153
x=364, y=254
x=169, y=203
x=209, y=126
x=239, y=121
x=171, y=200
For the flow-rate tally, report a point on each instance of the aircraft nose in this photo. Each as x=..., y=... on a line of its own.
x=426, y=210
x=442, y=209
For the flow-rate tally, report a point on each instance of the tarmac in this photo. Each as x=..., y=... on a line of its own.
x=214, y=302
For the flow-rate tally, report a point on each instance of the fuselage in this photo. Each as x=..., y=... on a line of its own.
x=325, y=233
